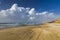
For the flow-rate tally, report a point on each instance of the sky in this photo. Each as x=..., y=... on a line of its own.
x=29, y=11
x=40, y=5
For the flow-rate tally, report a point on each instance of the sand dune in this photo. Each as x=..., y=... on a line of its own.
x=48, y=31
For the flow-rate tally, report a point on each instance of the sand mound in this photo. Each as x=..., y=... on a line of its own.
x=56, y=21
x=49, y=31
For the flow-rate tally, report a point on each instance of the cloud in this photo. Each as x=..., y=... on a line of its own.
x=25, y=15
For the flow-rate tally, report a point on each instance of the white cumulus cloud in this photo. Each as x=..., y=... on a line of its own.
x=25, y=15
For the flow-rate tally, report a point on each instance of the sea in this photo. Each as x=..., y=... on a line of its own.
x=7, y=25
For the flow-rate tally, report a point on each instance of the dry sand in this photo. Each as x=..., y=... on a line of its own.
x=49, y=31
